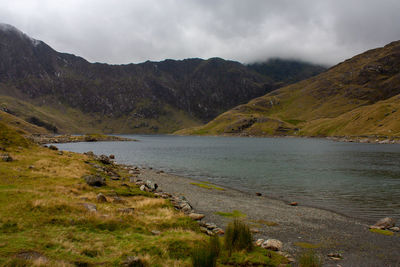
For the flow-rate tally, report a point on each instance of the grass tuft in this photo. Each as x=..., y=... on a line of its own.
x=309, y=259
x=238, y=237
x=206, y=255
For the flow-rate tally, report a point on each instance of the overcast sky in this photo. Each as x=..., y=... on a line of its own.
x=124, y=31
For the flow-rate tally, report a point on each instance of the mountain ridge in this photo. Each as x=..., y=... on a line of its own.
x=145, y=97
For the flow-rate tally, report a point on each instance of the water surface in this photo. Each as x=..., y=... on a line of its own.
x=358, y=180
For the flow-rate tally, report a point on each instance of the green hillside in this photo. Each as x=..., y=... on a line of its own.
x=359, y=96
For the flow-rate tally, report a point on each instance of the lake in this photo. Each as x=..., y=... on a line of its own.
x=358, y=180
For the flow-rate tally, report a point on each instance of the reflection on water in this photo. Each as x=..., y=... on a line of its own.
x=359, y=180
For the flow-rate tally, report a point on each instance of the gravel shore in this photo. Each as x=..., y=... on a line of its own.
x=296, y=226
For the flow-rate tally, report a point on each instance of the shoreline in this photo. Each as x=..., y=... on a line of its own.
x=298, y=227
x=283, y=201
x=67, y=138
x=382, y=140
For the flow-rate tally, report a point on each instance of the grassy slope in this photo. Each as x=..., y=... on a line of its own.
x=69, y=120
x=20, y=125
x=327, y=104
x=41, y=196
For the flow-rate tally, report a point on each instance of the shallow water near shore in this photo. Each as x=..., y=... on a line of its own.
x=358, y=180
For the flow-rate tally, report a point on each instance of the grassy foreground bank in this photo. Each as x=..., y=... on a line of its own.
x=46, y=219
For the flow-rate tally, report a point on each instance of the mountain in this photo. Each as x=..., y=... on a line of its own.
x=288, y=71
x=358, y=97
x=73, y=95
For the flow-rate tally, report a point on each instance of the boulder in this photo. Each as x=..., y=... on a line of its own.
x=31, y=256
x=196, y=216
x=384, y=223
x=142, y=187
x=272, y=244
x=211, y=226
x=104, y=159
x=185, y=207
x=258, y=194
x=117, y=199
x=151, y=186
x=259, y=242
x=218, y=231
x=395, y=229
x=101, y=198
x=111, y=156
x=89, y=153
x=53, y=147
x=95, y=180
x=133, y=261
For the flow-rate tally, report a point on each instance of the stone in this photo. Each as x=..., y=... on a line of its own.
x=196, y=216
x=117, y=199
x=60, y=153
x=142, y=187
x=254, y=230
x=53, y=147
x=89, y=153
x=218, y=231
x=115, y=178
x=112, y=156
x=104, y=159
x=203, y=229
x=95, y=180
x=101, y=198
x=272, y=244
x=90, y=207
x=186, y=208
x=31, y=167
x=132, y=179
x=6, y=157
x=258, y=194
x=211, y=226
x=150, y=185
x=293, y=203
x=133, y=261
x=125, y=185
x=259, y=242
x=31, y=256
x=335, y=256
x=395, y=229
x=384, y=223
x=155, y=232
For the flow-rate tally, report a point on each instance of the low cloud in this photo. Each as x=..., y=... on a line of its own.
x=126, y=31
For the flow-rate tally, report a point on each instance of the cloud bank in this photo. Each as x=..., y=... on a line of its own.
x=125, y=31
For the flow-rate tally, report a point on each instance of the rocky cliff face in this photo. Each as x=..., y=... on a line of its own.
x=201, y=89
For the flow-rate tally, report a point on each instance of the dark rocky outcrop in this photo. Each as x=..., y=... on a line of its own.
x=95, y=180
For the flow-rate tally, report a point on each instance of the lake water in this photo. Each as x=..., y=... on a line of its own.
x=358, y=180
